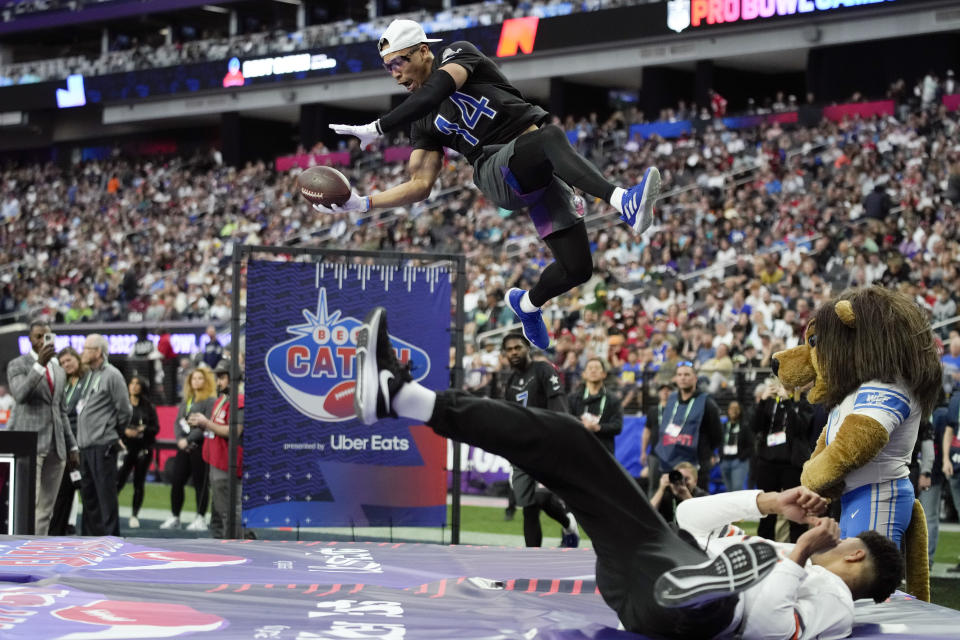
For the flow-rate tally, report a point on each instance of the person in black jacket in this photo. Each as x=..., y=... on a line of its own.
x=535, y=383
x=599, y=410
x=782, y=428
x=737, y=449
x=139, y=438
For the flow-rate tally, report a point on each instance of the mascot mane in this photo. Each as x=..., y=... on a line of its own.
x=874, y=333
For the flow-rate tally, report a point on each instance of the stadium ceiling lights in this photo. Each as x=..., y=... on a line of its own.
x=214, y=9
x=293, y=2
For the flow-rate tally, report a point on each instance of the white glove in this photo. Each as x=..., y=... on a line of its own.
x=367, y=133
x=355, y=202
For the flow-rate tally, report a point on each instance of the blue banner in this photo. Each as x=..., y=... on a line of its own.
x=307, y=460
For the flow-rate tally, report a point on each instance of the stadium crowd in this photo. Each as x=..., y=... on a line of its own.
x=780, y=215
x=188, y=46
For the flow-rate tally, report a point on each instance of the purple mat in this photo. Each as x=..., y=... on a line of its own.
x=84, y=588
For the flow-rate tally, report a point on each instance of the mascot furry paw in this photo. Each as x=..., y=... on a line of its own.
x=873, y=362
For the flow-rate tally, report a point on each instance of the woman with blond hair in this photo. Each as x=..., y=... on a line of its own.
x=199, y=392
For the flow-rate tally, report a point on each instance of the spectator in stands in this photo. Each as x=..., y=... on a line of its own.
x=690, y=429
x=737, y=449
x=951, y=366
x=216, y=451
x=631, y=380
x=535, y=167
x=212, y=351
x=145, y=359
x=104, y=411
x=37, y=382
x=139, y=438
x=782, y=428
x=78, y=376
x=599, y=409
x=199, y=393
x=6, y=406
x=877, y=204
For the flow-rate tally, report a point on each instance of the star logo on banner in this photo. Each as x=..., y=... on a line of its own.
x=288, y=476
x=267, y=475
x=266, y=497
x=287, y=498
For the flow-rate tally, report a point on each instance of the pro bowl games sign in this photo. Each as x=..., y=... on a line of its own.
x=695, y=13
x=307, y=460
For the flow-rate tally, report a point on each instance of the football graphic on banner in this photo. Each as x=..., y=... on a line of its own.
x=314, y=371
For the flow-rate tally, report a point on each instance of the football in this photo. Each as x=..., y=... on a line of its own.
x=324, y=186
x=339, y=400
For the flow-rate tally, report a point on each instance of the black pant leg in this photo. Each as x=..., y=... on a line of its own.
x=106, y=486
x=129, y=461
x=201, y=480
x=180, y=472
x=532, y=532
x=552, y=506
x=92, y=521
x=634, y=545
x=60, y=517
x=140, y=469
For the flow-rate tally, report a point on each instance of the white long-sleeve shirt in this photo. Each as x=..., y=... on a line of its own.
x=793, y=602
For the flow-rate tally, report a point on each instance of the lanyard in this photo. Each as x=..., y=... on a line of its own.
x=603, y=399
x=79, y=384
x=673, y=420
x=74, y=388
x=731, y=431
x=189, y=404
x=95, y=385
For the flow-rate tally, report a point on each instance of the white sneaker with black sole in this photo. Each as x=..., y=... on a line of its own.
x=379, y=373
x=171, y=523
x=735, y=569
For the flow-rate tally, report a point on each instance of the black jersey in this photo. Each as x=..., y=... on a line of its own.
x=487, y=109
x=537, y=386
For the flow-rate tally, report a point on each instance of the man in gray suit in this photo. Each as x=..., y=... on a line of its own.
x=102, y=415
x=37, y=382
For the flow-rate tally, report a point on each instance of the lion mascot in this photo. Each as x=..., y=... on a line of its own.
x=873, y=362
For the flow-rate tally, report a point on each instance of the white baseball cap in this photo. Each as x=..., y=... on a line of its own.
x=402, y=34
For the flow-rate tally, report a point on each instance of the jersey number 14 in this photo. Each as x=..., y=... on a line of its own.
x=471, y=109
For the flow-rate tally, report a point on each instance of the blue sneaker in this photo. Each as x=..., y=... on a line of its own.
x=570, y=540
x=638, y=202
x=534, y=329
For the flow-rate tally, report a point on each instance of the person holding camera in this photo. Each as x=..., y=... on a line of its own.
x=102, y=413
x=37, y=383
x=689, y=429
x=782, y=426
x=675, y=487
